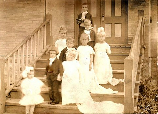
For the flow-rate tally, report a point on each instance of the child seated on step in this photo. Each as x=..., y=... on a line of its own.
x=31, y=88
x=60, y=43
x=70, y=44
x=54, y=72
x=102, y=66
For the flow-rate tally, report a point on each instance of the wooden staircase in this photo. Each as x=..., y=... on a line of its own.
x=117, y=62
x=122, y=58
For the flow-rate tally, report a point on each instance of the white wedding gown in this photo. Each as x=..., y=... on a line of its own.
x=89, y=84
x=102, y=66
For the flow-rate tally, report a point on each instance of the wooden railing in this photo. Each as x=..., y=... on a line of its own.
x=132, y=66
x=29, y=50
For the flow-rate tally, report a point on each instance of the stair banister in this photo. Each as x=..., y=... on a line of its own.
x=131, y=67
x=26, y=53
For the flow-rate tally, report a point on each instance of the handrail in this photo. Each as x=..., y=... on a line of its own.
x=27, y=38
x=26, y=53
x=132, y=64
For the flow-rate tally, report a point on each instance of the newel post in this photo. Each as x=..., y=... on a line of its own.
x=128, y=86
x=2, y=87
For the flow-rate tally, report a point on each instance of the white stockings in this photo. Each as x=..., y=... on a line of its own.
x=30, y=109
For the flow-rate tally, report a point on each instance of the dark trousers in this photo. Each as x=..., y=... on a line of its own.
x=54, y=90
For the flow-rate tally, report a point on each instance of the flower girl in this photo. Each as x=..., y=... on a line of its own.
x=102, y=66
x=31, y=88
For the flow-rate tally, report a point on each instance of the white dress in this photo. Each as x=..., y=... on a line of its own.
x=31, y=89
x=60, y=44
x=88, y=78
x=74, y=92
x=70, y=83
x=102, y=66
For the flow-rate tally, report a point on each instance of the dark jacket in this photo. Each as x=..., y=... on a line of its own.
x=62, y=56
x=53, y=70
x=88, y=16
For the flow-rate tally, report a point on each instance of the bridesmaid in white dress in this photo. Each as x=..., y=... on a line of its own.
x=102, y=66
x=87, y=75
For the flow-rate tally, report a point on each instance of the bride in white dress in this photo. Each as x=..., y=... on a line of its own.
x=75, y=92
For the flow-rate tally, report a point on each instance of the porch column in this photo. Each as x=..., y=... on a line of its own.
x=146, y=67
x=2, y=87
x=153, y=40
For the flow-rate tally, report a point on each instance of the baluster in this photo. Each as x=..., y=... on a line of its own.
x=27, y=47
x=35, y=45
x=18, y=63
x=44, y=37
x=37, y=51
x=8, y=73
x=13, y=69
x=31, y=53
x=23, y=58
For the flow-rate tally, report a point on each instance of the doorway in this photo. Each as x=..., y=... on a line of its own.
x=110, y=14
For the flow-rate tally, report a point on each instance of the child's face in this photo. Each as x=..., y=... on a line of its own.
x=84, y=8
x=62, y=34
x=87, y=26
x=70, y=44
x=101, y=38
x=70, y=57
x=84, y=40
x=52, y=54
x=31, y=74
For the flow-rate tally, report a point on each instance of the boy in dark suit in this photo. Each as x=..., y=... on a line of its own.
x=81, y=17
x=70, y=44
x=53, y=69
x=91, y=33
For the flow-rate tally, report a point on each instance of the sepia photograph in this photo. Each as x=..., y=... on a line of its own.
x=78, y=56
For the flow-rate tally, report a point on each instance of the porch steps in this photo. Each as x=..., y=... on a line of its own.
x=117, y=62
x=43, y=108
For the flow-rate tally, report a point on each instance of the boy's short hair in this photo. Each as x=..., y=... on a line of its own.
x=54, y=49
x=84, y=35
x=87, y=22
x=85, y=3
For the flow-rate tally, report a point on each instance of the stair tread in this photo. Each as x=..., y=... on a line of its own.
x=112, y=61
x=127, y=45
x=120, y=54
x=44, y=104
x=114, y=71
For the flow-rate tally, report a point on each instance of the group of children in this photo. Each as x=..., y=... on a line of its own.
x=79, y=70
